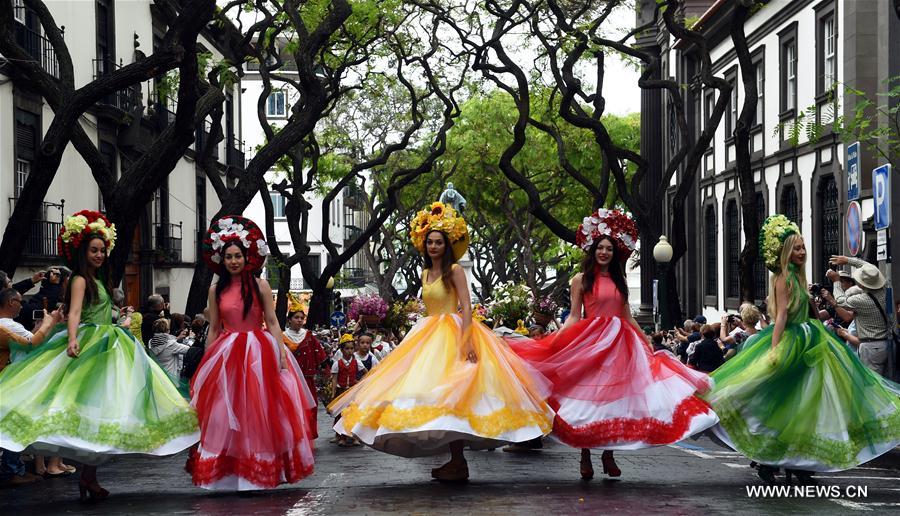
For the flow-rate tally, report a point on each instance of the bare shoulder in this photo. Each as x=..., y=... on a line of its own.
x=457, y=270
x=212, y=288
x=577, y=279
x=77, y=281
x=263, y=285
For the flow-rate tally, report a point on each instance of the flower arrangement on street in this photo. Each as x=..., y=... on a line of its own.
x=479, y=312
x=511, y=302
x=544, y=305
x=402, y=315
x=368, y=305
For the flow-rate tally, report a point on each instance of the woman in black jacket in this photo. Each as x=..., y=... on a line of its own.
x=708, y=355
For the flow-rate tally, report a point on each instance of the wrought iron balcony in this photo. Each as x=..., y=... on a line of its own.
x=235, y=153
x=354, y=197
x=354, y=277
x=167, y=242
x=41, y=241
x=127, y=99
x=351, y=233
x=36, y=45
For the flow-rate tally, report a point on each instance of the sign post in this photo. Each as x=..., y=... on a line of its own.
x=853, y=171
x=881, y=189
x=853, y=229
x=337, y=319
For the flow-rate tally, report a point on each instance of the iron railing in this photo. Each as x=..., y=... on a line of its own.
x=354, y=277
x=351, y=233
x=234, y=154
x=167, y=242
x=354, y=197
x=128, y=99
x=36, y=45
x=41, y=240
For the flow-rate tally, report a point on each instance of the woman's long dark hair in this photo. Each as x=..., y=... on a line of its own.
x=249, y=285
x=446, y=262
x=81, y=268
x=616, y=268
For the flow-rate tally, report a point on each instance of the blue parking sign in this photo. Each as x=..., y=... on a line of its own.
x=853, y=171
x=881, y=190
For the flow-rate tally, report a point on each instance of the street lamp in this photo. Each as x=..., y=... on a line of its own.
x=662, y=253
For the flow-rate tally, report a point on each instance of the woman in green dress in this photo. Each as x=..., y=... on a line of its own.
x=90, y=390
x=796, y=396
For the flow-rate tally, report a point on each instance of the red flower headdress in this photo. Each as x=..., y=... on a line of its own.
x=82, y=225
x=614, y=223
x=234, y=228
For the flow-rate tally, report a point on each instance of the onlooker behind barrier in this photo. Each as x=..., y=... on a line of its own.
x=866, y=303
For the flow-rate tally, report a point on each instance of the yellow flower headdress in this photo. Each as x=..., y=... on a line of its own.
x=345, y=338
x=295, y=304
x=439, y=217
x=774, y=231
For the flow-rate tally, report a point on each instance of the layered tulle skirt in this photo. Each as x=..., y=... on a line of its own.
x=425, y=394
x=808, y=404
x=611, y=391
x=112, y=399
x=255, y=431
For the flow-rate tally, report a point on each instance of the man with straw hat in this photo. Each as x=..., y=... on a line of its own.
x=867, y=301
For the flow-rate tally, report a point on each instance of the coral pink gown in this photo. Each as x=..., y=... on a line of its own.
x=610, y=390
x=255, y=428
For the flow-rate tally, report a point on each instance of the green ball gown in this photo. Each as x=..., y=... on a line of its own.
x=112, y=399
x=814, y=407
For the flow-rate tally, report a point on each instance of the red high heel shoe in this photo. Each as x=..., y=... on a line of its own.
x=587, y=469
x=91, y=491
x=609, y=464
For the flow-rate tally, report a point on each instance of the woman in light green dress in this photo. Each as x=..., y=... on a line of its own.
x=90, y=390
x=796, y=396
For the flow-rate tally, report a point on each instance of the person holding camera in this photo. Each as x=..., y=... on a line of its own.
x=866, y=304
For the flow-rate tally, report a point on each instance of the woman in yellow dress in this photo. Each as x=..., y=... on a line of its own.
x=450, y=383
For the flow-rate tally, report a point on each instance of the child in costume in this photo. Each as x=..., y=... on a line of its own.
x=343, y=376
x=795, y=396
x=365, y=359
x=449, y=383
x=91, y=391
x=251, y=399
x=307, y=350
x=610, y=389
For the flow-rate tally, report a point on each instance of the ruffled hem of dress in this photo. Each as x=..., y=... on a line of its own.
x=691, y=416
x=219, y=472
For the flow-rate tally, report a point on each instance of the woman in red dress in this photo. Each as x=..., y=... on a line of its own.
x=610, y=390
x=308, y=352
x=251, y=400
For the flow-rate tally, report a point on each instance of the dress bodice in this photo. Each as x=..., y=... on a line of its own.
x=604, y=299
x=437, y=298
x=231, y=311
x=100, y=311
x=799, y=310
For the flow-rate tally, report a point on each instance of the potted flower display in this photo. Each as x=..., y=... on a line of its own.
x=543, y=309
x=369, y=309
x=511, y=302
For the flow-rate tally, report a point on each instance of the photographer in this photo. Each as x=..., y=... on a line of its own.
x=51, y=293
x=865, y=304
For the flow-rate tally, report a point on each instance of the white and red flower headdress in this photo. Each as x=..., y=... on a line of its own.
x=81, y=225
x=614, y=223
x=234, y=228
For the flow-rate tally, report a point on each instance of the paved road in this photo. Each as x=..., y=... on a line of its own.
x=686, y=478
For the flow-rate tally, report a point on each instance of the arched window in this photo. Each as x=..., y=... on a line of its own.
x=830, y=223
x=789, y=205
x=732, y=250
x=711, y=249
x=759, y=268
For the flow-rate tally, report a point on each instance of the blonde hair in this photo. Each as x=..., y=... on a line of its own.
x=161, y=326
x=784, y=260
x=750, y=314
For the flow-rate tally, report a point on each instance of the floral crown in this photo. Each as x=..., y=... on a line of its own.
x=82, y=225
x=234, y=228
x=440, y=217
x=345, y=338
x=295, y=304
x=772, y=235
x=614, y=223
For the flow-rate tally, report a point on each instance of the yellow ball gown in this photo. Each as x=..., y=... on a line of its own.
x=425, y=394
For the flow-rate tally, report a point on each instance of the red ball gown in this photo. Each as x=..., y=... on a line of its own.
x=255, y=428
x=610, y=390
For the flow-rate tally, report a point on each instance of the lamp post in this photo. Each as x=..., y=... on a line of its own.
x=662, y=253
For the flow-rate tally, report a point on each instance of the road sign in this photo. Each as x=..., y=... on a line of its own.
x=853, y=171
x=337, y=319
x=881, y=245
x=881, y=189
x=853, y=229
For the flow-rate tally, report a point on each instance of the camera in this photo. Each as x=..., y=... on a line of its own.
x=37, y=315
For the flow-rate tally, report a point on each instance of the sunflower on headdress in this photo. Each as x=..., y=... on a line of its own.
x=440, y=217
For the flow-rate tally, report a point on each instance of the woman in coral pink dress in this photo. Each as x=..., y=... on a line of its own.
x=251, y=399
x=610, y=390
